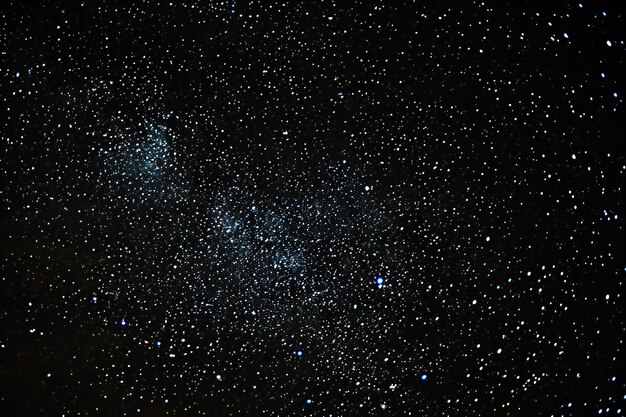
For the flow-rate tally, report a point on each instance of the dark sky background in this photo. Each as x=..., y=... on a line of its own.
x=315, y=208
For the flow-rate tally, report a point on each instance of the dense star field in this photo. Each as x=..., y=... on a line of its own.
x=317, y=208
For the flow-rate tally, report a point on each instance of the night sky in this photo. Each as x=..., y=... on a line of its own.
x=315, y=208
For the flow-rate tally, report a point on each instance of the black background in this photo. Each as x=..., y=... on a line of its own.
x=460, y=118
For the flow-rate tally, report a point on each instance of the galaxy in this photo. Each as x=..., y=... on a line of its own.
x=312, y=208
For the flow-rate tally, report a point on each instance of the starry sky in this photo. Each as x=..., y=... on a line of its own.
x=315, y=208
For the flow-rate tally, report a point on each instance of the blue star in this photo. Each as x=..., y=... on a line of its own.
x=380, y=280
x=424, y=377
x=299, y=353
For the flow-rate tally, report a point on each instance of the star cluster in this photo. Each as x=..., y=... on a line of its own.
x=230, y=208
